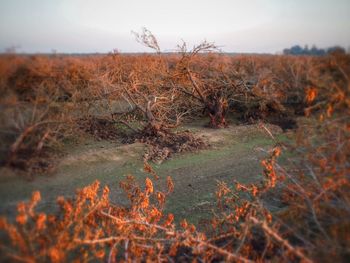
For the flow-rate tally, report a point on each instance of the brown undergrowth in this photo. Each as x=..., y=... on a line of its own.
x=165, y=144
x=46, y=99
x=299, y=212
x=100, y=129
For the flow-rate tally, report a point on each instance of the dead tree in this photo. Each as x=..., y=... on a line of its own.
x=157, y=107
x=160, y=116
x=213, y=99
x=215, y=104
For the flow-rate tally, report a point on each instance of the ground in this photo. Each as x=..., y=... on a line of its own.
x=234, y=154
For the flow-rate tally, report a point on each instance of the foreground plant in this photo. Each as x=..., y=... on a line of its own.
x=90, y=227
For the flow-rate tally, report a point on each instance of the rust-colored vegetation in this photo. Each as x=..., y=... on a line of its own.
x=47, y=99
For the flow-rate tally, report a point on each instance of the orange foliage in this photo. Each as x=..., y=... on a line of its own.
x=308, y=219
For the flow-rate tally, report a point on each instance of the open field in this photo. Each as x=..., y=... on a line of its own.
x=234, y=154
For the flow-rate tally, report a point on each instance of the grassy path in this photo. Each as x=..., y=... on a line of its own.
x=235, y=154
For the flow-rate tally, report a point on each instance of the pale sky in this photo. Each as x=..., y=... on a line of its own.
x=234, y=25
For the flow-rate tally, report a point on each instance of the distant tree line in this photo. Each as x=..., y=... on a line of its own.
x=313, y=51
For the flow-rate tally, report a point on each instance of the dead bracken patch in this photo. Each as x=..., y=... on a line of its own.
x=164, y=146
x=100, y=129
x=161, y=141
x=39, y=163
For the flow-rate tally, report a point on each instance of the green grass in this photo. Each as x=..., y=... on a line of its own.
x=195, y=175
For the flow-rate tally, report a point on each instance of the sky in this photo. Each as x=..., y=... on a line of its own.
x=87, y=26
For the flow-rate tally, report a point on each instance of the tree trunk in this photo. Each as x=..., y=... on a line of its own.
x=217, y=110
